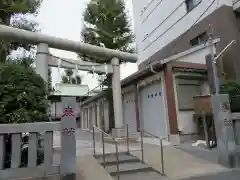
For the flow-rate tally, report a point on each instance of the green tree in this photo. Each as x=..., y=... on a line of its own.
x=22, y=94
x=27, y=61
x=14, y=13
x=232, y=88
x=106, y=24
x=69, y=78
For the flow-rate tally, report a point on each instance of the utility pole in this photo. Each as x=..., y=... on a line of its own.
x=226, y=146
x=215, y=76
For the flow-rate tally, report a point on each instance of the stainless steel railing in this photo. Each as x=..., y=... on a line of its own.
x=161, y=147
x=103, y=134
x=128, y=137
x=142, y=133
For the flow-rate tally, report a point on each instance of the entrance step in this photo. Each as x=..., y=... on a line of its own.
x=150, y=175
x=130, y=167
x=126, y=168
x=110, y=159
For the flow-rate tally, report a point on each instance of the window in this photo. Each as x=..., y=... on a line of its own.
x=200, y=39
x=185, y=95
x=190, y=4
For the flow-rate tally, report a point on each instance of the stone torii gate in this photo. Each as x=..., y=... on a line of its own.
x=43, y=60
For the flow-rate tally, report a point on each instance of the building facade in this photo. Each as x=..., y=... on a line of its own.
x=157, y=99
x=172, y=42
x=164, y=28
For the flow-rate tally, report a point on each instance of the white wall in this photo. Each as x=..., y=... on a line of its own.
x=56, y=108
x=153, y=32
x=71, y=89
x=198, y=56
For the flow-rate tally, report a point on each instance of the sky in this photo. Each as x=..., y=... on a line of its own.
x=63, y=18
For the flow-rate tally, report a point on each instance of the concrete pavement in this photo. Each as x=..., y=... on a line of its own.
x=177, y=163
x=88, y=168
x=231, y=174
x=180, y=163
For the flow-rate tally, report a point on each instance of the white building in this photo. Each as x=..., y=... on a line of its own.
x=167, y=27
x=171, y=38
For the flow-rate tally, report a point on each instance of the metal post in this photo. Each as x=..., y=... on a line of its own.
x=117, y=94
x=118, y=176
x=103, y=146
x=162, y=160
x=128, y=139
x=215, y=76
x=94, y=143
x=42, y=60
x=142, y=145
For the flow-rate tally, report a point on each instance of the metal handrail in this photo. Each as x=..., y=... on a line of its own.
x=161, y=147
x=106, y=134
x=141, y=137
x=103, y=146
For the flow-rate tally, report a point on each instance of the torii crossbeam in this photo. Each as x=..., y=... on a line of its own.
x=44, y=42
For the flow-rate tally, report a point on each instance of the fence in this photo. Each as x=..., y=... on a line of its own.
x=32, y=169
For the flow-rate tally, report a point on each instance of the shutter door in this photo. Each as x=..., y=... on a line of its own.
x=129, y=111
x=152, y=109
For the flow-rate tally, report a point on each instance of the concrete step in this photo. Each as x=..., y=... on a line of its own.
x=147, y=175
x=128, y=167
x=110, y=159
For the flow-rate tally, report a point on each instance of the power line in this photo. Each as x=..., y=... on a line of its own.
x=176, y=23
x=151, y=10
x=164, y=20
x=174, y=45
x=144, y=9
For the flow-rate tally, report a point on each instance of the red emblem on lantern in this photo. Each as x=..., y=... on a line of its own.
x=67, y=112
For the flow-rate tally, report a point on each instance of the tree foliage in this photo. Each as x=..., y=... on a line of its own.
x=106, y=24
x=14, y=13
x=27, y=61
x=22, y=94
x=70, y=78
x=232, y=88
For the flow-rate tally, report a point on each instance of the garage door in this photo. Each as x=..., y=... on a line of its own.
x=129, y=111
x=152, y=109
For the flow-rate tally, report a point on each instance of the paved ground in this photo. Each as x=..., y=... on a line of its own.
x=207, y=154
x=181, y=162
x=229, y=174
x=177, y=163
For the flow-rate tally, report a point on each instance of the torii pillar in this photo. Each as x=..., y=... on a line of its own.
x=118, y=131
x=42, y=57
